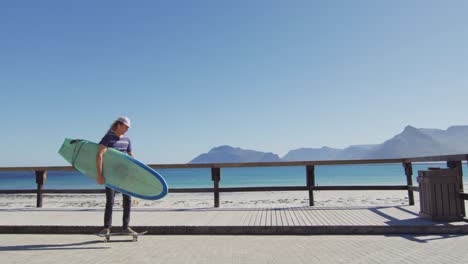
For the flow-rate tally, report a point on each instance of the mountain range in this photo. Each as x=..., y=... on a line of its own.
x=412, y=142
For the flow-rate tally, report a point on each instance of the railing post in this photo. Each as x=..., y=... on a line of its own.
x=409, y=181
x=310, y=172
x=216, y=177
x=41, y=176
x=457, y=165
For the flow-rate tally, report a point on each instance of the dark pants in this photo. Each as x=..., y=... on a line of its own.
x=127, y=202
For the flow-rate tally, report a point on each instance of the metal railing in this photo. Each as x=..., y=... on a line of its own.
x=452, y=161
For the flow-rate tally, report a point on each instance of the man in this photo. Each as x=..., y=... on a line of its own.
x=115, y=138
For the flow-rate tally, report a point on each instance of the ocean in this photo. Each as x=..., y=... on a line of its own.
x=375, y=174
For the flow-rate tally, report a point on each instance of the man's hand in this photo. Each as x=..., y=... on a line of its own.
x=100, y=180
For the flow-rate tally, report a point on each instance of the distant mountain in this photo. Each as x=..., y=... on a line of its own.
x=455, y=137
x=412, y=142
x=355, y=152
x=228, y=154
x=324, y=153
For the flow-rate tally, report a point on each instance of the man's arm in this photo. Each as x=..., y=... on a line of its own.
x=99, y=157
x=131, y=154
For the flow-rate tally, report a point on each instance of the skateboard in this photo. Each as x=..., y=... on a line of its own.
x=134, y=236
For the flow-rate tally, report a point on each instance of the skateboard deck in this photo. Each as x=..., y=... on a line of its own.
x=134, y=236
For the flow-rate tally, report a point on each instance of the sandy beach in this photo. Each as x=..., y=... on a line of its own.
x=227, y=200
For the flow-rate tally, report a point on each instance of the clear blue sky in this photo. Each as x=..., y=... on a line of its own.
x=265, y=75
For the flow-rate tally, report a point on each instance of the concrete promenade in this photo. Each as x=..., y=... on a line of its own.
x=240, y=235
x=402, y=219
x=202, y=249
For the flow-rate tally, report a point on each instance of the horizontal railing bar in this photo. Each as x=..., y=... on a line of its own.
x=85, y=191
x=74, y=191
x=265, y=164
x=361, y=187
x=17, y=191
x=191, y=190
x=229, y=189
x=263, y=189
x=273, y=164
x=70, y=191
x=47, y=168
x=438, y=158
x=464, y=196
x=316, y=188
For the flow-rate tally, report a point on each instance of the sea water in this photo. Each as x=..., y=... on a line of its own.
x=325, y=175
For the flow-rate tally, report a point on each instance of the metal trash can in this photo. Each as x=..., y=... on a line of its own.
x=439, y=195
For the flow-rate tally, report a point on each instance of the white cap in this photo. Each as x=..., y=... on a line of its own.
x=124, y=120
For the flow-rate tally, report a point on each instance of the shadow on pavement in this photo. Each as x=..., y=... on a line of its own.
x=425, y=238
x=65, y=246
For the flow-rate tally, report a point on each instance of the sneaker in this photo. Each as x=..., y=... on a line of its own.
x=129, y=231
x=104, y=232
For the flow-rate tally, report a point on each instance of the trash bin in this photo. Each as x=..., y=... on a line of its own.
x=439, y=196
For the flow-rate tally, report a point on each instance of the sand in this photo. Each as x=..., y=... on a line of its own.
x=227, y=200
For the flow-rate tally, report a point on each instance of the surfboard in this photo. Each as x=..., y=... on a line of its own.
x=122, y=172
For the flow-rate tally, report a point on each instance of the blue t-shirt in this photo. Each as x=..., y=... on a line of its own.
x=111, y=140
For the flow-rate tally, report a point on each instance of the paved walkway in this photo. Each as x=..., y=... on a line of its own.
x=293, y=220
x=67, y=236
x=81, y=249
